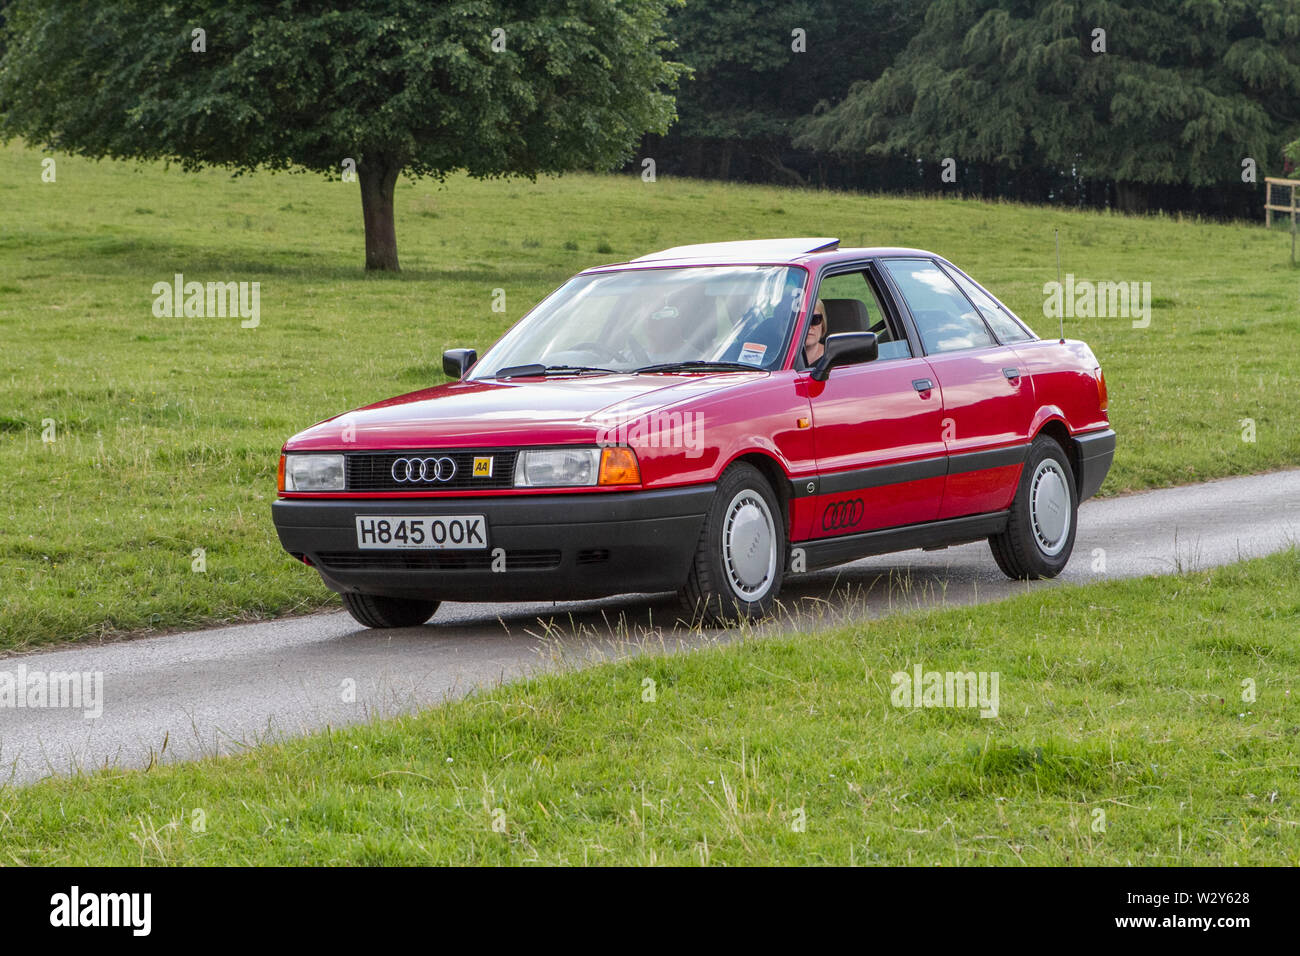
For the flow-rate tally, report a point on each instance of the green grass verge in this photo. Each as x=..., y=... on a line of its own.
x=1120, y=697
x=167, y=429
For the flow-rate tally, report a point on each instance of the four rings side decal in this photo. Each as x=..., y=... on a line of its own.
x=842, y=514
x=424, y=469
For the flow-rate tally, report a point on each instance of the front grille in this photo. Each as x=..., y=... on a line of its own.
x=373, y=471
x=540, y=560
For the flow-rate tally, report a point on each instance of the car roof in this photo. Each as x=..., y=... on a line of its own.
x=808, y=251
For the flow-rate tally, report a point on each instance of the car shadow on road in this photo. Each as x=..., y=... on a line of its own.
x=809, y=602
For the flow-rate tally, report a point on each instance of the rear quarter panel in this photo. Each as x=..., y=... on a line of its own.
x=1064, y=384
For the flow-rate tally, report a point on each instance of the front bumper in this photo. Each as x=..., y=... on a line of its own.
x=543, y=547
x=1096, y=451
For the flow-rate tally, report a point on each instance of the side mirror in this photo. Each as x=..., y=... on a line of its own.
x=456, y=362
x=846, y=348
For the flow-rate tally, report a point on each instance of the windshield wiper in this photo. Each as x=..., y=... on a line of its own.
x=536, y=368
x=700, y=365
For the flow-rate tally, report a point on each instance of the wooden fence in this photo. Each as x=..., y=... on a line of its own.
x=1269, y=208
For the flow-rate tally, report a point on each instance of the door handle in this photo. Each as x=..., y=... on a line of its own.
x=922, y=384
x=1011, y=373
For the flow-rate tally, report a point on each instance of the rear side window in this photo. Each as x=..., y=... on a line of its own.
x=1004, y=327
x=944, y=317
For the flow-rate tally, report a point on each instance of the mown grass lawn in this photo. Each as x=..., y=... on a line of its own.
x=166, y=430
x=1122, y=737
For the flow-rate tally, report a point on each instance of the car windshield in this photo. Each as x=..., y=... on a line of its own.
x=645, y=319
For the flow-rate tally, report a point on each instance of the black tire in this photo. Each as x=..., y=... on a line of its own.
x=375, y=610
x=724, y=586
x=1030, y=549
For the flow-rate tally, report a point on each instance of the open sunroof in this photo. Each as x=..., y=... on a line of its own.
x=747, y=249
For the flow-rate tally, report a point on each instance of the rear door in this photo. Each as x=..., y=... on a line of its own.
x=876, y=426
x=987, y=397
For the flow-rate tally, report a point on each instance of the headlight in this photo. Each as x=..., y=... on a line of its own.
x=546, y=467
x=576, y=467
x=313, y=473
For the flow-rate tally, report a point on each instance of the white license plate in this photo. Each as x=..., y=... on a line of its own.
x=421, y=532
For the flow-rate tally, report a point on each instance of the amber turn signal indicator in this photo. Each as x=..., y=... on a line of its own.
x=618, y=466
x=279, y=476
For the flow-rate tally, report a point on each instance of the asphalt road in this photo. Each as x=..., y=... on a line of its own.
x=199, y=693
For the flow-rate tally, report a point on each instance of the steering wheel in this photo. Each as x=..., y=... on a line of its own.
x=604, y=353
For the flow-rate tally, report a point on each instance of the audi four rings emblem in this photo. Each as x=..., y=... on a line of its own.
x=842, y=514
x=424, y=469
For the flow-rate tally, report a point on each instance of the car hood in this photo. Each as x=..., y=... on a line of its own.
x=493, y=414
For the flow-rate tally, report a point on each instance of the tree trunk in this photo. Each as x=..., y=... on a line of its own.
x=1131, y=196
x=377, y=174
x=986, y=180
x=771, y=156
x=695, y=162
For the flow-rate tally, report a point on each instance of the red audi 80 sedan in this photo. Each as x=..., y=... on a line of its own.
x=709, y=420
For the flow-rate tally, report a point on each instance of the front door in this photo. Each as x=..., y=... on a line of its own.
x=876, y=426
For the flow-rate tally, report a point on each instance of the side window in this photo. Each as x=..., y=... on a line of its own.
x=1004, y=327
x=944, y=317
x=852, y=306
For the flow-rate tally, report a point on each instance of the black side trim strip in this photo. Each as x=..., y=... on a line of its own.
x=876, y=476
x=981, y=460
x=828, y=552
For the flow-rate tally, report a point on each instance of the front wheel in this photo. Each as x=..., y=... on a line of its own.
x=1040, y=528
x=375, y=610
x=739, y=561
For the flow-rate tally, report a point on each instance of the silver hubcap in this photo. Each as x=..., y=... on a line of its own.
x=1049, y=507
x=749, y=545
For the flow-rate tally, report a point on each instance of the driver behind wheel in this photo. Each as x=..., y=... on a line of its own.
x=814, y=346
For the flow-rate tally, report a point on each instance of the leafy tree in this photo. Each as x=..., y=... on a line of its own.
x=750, y=84
x=395, y=85
x=1184, y=90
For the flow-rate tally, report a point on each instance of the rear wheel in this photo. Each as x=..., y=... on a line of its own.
x=376, y=610
x=1040, y=529
x=740, y=559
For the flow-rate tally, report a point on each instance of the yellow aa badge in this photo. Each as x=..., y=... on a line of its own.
x=483, y=467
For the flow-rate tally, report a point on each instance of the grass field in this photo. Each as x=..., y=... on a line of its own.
x=166, y=430
x=1122, y=737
